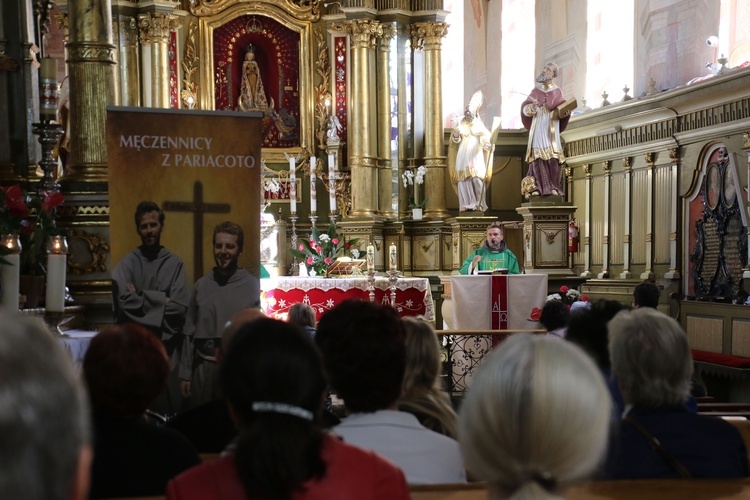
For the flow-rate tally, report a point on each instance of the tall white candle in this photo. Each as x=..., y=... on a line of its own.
x=11, y=276
x=56, y=269
x=331, y=183
x=313, y=188
x=370, y=257
x=293, y=184
x=392, y=257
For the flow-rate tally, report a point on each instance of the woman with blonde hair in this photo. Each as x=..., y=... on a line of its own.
x=422, y=394
x=536, y=418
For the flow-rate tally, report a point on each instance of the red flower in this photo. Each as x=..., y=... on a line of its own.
x=14, y=201
x=585, y=298
x=51, y=200
x=327, y=260
x=347, y=246
x=536, y=313
x=309, y=261
x=335, y=241
x=302, y=248
x=564, y=289
x=318, y=248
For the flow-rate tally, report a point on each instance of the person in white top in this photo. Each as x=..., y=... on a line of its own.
x=363, y=346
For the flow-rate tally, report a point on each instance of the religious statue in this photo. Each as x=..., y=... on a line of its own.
x=545, y=114
x=334, y=127
x=470, y=158
x=252, y=94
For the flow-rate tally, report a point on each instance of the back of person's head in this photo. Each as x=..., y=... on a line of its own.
x=587, y=328
x=646, y=294
x=555, y=315
x=364, y=353
x=301, y=315
x=535, y=419
x=650, y=358
x=44, y=425
x=125, y=369
x=272, y=378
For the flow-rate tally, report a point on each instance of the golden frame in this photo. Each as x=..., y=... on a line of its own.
x=208, y=24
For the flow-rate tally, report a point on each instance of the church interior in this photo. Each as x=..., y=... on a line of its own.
x=653, y=185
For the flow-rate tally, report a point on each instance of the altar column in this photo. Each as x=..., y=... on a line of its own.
x=130, y=88
x=385, y=163
x=648, y=273
x=429, y=34
x=362, y=135
x=746, y=148
x=605, y=249
x=155, y=30
x=673, y=273
x=91, y=69
x=627, y=164
x=587, y=226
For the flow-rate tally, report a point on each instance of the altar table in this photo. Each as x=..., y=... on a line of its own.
x=497, y=302
x=413, y=296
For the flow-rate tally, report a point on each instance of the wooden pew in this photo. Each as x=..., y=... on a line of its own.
x=642, y=489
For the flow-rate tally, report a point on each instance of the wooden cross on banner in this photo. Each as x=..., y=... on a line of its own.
x=198, y=208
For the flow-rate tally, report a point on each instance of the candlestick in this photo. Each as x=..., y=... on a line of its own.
x=331, y=183
x=392, y=257
x=370, y=257
x=10, y=271
x=313, y=187
x=48, y=89
x=293, y=184
x=371, y=284
x=295, y=265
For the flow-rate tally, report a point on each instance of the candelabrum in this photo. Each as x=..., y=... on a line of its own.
x=294, y=271
x=313, y=218
x=49, y=133
x=392, y=280
x=371, y=284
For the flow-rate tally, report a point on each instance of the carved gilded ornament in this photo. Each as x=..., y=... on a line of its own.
x=674, y=154
x=746, y=140
x=87, y=52
x=88, y=253
x=587, y=170
x=627, y=164
x=607, y=168
x=363, y=161
x=363, y=32
x=304, y=10
x=650, y=159
x=128, y=32
x=322, y=92
x=155, y=28
x=427, y=35
x=189, y=94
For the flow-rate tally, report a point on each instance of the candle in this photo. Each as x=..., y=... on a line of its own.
x=293, y=184
x=392, y=257
x=313, y=180
x=370, y=257
x=331, y=183
x=48, y=89
x=57, y=248
x=10, y=272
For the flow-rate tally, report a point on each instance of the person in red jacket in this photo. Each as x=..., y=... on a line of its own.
x=272, y=378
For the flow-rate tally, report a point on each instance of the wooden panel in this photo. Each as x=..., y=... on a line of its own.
x=705, y=334
x=639, y=203
x=597, y=221
x=617, y=227
x=741, y=338
x=662, y=213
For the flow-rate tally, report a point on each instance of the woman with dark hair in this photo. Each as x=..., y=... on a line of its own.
x=272, y=379
x=125, y=369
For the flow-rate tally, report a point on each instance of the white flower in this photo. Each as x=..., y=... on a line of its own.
x=271, y=185
x=408, y=177
x=324, y=238
x=573, y=294
x=554, y=296
x=421, y=172
x=355, y=253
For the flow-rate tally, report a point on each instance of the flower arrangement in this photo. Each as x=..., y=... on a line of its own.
x=410, y=178
x=31, y=216
x=322, y=249
x=568, y=296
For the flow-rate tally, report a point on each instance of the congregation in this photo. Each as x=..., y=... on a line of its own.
x=620, y=377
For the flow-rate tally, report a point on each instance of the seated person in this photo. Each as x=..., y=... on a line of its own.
x=126, y=368
x=303, y=316
x=208, y=426
x=494, y=254
x=272, y=378
x=536, y=418
x=364, y=353
x=658, y=436
x=45, y=449
x=422, y=394
x=554, y=318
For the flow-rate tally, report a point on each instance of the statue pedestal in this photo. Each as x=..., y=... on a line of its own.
x=545, y=235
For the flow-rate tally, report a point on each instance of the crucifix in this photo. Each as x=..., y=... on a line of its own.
x=198, y=208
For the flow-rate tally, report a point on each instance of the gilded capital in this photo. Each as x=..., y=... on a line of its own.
x=674, y=154
x=746, y=140
x=587, y=170
x=128, y=32
x=607, y=167
x=363, y=32
x=650, y=159
x=427, y=35
x=627, y=164
x=155, y=28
